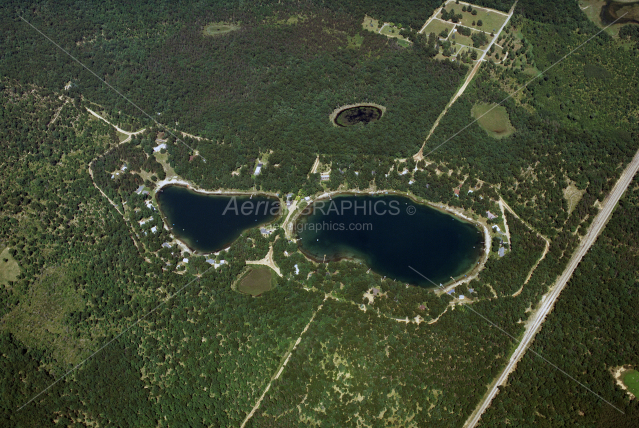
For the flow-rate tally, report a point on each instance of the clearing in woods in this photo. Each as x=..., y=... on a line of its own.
x=370, y=24
x=436, y=26
x=491, y=19
x=40, y=319
x=387, y=29
x=218, y=28
x=573, y=196
x=631, y=380
x=495, y=122
x=9, y=268
x=257, y=281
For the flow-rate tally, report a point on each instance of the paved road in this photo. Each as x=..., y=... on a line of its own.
x=535, y=325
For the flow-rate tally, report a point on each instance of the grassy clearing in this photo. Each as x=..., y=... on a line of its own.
x=491, y=21
x=163, y=159
x=631, y=380
x=257, y=281
x=495, y=122
x=387, y=29
x=9, y=268
x=219, y=28
x=573, y=195
x=370, y=24
x=460, y=39
x=468, y=49
x=498, y=53
x=356, y=41
x=436, y=26
x=122, y=136
x=39, y=319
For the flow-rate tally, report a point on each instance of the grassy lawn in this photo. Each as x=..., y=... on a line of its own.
x=163, y=159
x=257, y=281
x=495, y=122
x=436, y=26
x=460, y=39
x=498, y=51
x=631, y=380
x=391, y=31
x=370, y=24
x=469, y=49
x=218, y=28
x=491, y=21
x=9, y=268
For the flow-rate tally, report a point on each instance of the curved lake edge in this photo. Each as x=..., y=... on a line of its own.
x=446, y=209
x=220, y=192
x=340, y=109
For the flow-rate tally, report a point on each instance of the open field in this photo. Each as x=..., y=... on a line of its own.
x=631, y=380
x=436, y=26
x=573, y=195
x=219, y=28
x=387, y=29
x=390, y=30
x=495, y=122
x=257, y=281
x=9, y=268
x=491, y=20
x=370, y=24
x=460, y=39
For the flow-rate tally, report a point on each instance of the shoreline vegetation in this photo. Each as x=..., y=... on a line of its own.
x=291, y=219
x=189, y=186
x=289, y=228
x=333, y=116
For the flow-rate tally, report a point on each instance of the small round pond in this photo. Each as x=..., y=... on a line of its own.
x=358, y=114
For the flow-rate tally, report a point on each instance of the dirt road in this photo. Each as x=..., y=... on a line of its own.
x=549, y=299
x=420, y=154
x=130, y=134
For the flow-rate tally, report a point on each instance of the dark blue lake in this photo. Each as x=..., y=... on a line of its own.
x=209, y=223
x=391, y=234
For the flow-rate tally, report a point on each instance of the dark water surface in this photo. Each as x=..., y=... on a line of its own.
x=623, y=11
x=355, y=115
x=209, y=223
x=389, y=234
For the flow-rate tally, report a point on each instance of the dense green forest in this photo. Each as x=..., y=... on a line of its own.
x=592, y=330
x=89, y=276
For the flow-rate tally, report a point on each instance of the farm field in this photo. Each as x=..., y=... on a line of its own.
x=257, y=281
x=495, y=122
